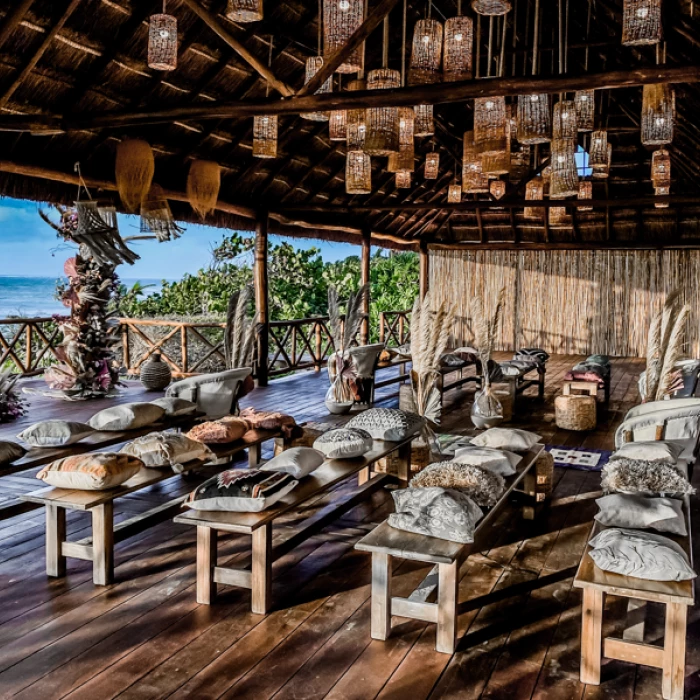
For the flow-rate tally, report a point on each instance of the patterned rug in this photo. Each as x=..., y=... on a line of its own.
x=589, y=460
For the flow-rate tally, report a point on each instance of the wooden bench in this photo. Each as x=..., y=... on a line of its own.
x=385, y=542
x=588, y=387
x=259, y=525
x=99, y=548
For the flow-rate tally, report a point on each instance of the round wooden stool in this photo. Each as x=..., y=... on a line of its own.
x=575, y=412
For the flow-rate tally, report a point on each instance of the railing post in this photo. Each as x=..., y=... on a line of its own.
x=126, y=357
x=261, y=297
x=319, y=346
x=29, y=356
x=183, y=349
x=365, y=278
x=382, y=331
x=294, y=347
x=402, y=329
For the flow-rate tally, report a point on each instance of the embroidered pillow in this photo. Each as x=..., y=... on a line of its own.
x=650, y=451
x=344, y=443
x=497, y=461
x=650, y=478
x=482, y=486
x=91, y=472
x=10, y=452
x=54, y=433
x=443, y=513
x=640, y=512
x=126, y=416
x=167, y=449
x=387, y=423
x=174, y=406
x=220, y=431
x=510, y=439
x=297, y=461
x=241, y=491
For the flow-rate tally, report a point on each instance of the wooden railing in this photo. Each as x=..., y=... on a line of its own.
x=299, y=344
x=27, y=345
x=394, y=328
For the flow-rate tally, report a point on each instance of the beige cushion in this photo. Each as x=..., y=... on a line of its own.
x=54, y=433
x=167, y=449
x=91, y=472
x=506, y=439
x=498, y=461
x=482, y=486
x=297, y=461
x=641, y=512
x=651, y=451
x=174, y=406
x=220, y=431
x=10, y=452
x=127, y=416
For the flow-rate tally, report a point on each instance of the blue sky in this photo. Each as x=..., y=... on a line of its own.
x=30, y=248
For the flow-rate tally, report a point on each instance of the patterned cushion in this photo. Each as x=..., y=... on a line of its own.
x=537, y=354
x=220, y=431
x=641, y=512
x=387, y=423
x=54, y=433
x=127, y=416
x=506, y=439
x=10, y=452
x=91, y=472
x=297, y=461
x=344, y=443
x=167, y=450
x=241, y=491
x=481, y=485
x=174, y=406
x=443, y=513
x=649, y=478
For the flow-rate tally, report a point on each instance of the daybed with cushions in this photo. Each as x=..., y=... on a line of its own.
x=216, y=395
x=526, y=361
x=675, y=419
x=595, y=368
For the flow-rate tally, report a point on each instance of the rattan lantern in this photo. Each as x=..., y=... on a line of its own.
x=564, y=121
x=424, y=124
x=658, y=108
x=265, y=136
x=641, y=22
x=558, y=217
x=661, y=168
x=404, y=159
x=519, y=164
x=601, y=172
x=534, y=190
x=426, y=54
x=585, y=191
x=313, y=66
x=382, y=137
x=498, y=188
x=585, y=109
x=458, y=49
x=454, y=193
x=358, y=173
x=162, y=41
x=564, y=182
x=534, y=119
x=338, y=125
x=662, y=192
x=245, y=10
x=494, y=164
x=474, y=181
x=598, y=151
x=490, y=125
x=403, y=180
x=341, y=18
x=356, y=126
x=432, y=165
x=491, y=8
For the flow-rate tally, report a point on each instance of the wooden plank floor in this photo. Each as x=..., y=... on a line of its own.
x=145, y=636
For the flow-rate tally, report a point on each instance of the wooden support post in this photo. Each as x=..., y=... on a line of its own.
x=55, y=537
x=261, y=297
x=262, y=569
x=403, y=470
x=674, y=651
x=381, y=595
x=206, y=562
x=103, y=544
x=424, y=269
x=447, y=608
x=591, y=635
x=364, y=279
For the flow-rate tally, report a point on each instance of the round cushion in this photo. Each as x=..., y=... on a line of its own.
x=344, y=443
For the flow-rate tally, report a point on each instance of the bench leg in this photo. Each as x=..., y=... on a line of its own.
x=674, y=651
x=363, y=476
x=206, y=561
x=55, y=537
x=381, y=595
x=404, y=463
x=103, y=544
x=262, y=569
x=591, y=635
x=446, y=641
x=540, y=389
x=254, y=455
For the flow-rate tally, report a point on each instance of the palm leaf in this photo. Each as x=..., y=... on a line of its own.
x=240, y=331
x=667, y=376
x=355, y=315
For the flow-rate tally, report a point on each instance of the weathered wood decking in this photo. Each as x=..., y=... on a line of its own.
x=146, y=637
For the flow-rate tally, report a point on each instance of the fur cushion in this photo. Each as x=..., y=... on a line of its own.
x=387, y=423
x=481, y=485
x=55, y=433
x=641, y=512
x=126, y=416
x=222, y=431
x=297, y=461
x=173, y=406
x=10, y=452
x=167, y=449
x=91, y=472
x=344, y=443
x=650, y=451
x=650, y=478
x=510, y=439
x=498, y=461
x=269, y=420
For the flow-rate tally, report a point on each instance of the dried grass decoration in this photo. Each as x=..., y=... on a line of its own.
x=203, y=184
x=156, y=217
x=134, y=170
x=239, y=336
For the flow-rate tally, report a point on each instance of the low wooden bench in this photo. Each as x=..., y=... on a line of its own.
x=385, y=542
x=259, y=525
x=99, y=548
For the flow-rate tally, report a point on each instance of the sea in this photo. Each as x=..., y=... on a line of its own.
x=34, y=296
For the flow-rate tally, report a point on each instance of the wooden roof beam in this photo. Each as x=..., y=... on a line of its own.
x=12, y=20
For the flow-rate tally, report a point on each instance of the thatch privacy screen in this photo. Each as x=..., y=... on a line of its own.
x=570, y=301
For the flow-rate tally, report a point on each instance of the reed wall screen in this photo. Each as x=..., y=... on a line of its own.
x=570, y=302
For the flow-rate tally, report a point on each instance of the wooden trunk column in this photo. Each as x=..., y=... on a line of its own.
x=424, y=269
x=364, y=279
x=261, y=296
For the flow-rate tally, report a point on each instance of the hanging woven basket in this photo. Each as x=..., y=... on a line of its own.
x=203, y=184
x=133, y=171
x=491, y=8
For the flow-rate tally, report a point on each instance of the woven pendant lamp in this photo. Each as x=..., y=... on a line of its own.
x=585, y=109
x=244, y=10
x=497, y=188
x=426, y=53
x=658, y=111
x=424, y=124
x=341, y=18
x=491, y=8
x=454, y=193
x=162, y=41
x=265, y=136
x=602, y=171
x=203, y=185
x=474, y=181
x=641, y=22
x=404, y=159
x=494, y=164
x=585, y=191
x=490, y=125
x=534, y=119
x=358, y=173
x=519, y=164
x=357, y=125
x=558, y=217
x=403, y=180
x=313, y=66
x=598, y=151
x=564, y=182
x=534, y=190
x=432, y=166
x=458, y=49
x=662, y=192
x=564, y=121
x=661, y=168
x=382, y=137
x=133, y=171
x=338, y=125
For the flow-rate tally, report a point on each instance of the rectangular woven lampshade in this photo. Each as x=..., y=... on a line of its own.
x=356, y=124
x=458, y=49
x=338, y=125
x=661, y=168
x=454, y=193
x=601, y=172
x=585, y=109
x=313, y=66
x=534, y=190
x=641, y=22
x=491, y=8
x=432, y=166
x=426, y=53
x=490, y=125
x=598, y=151
x=558, y=217
x=474, y=181
x=162, y=42
x=358, y=173
x=403, y=180
x=245, y=10
x=404, y=159
x=519, y=164
x=494, y=164
x=265, y=136
x=564, y=121
x=424, y=124
x=382, y=137
x=564, y=182
x=534, y=119
x=658, y=111
x=662, y=191
x=585, y=191
x=340, y=20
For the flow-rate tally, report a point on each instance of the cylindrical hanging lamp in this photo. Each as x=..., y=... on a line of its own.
x=426, y=53
x=598, y=151
x=404, y=159
x=601, y=172
x=658, y=112
x=585, y=191
x=162, y=41
x=244, y=10
x=474, y=181
x=432, y=165
x=341, y=18
x=313, y=66
x=490, y=125
x=662, y=192
x=558, y=217
x=382, y=137
x=491, y=8
x=403, y=179
x=265, y=136
x=534, y=119
x=585, y=109
x=564, y=181
x=564, y=121
x=494, y=164
x=358, y=173
x=357, y=125
x=424, y=125
x=519, y=164
x=458, y=49
x=661, y=168
x=534, y=190
x=454, y=193
x=641, y=22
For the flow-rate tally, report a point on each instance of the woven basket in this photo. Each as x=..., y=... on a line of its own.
x=575, y=412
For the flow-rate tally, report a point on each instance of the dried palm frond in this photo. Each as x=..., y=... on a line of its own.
x=239, y=335
x=651, y=374
x=344, y=331
x=669, y=374
x=486, y=328
x=334, y=317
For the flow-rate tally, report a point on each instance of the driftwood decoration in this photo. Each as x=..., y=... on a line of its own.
x=134, y=169
x=203, y=184
x=239, y=336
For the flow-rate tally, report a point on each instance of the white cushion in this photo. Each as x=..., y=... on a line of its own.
x=55, y=433
x=651, y=451
x=507, y=439
x=168, y=449
x=641, y=512
x=297, y=461
x=344, y=443
x=500, y=462
x=387, y=423
x=174, y=406
x=126, y=416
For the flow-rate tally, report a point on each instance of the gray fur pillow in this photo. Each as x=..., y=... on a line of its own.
x=649, y=478
x=387, y=423
x=483, y=486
